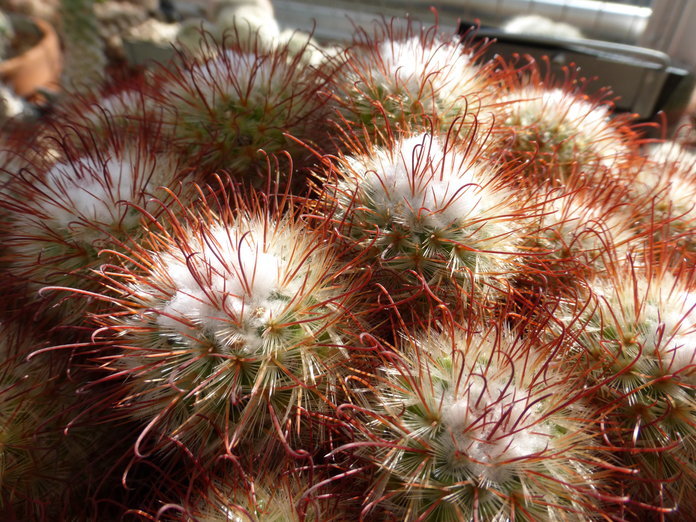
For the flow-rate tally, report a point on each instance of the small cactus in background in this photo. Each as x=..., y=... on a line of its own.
x=224, y=110
x=61, y=218
x=7, y=33
x=101, y=115
x=578, y=230
x=561, y=131
x=666, y=185
x=85, y=62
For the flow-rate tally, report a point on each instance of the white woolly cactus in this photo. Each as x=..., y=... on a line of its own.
x=561, y=131
x=640, y=344
x=229, y=328
x=479, y=426
x=427, y=205
x=62, y=218
x=407, y=81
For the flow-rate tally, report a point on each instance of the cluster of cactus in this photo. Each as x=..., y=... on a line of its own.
x=399, y=282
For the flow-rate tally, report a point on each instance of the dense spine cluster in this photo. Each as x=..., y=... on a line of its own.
x=391, y=281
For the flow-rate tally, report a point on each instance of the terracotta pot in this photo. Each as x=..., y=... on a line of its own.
x=38, y=67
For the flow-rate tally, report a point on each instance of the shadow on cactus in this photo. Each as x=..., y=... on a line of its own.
x=223, y=109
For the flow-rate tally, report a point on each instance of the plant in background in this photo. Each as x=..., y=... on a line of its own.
x=578, y=230
x=663, y=195
x=61, y=218
x=85, y=61
x=560, y=131
x=222, y=111
x=107, y=112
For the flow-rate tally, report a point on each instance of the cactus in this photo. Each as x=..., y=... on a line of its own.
x=85, y=62
x=427, y=205
x=61, y=218
x=561, y=131
x=225, y=109
x=639, y=344
x=7, y=33
x=665, y=184
x=479, y=424
x=229, y=327
x=407, y=79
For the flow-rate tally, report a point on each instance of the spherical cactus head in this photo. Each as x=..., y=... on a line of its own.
x=426, y=210
x=411, y=77
x=662, y=192
x=558, y=131
x=479, y=424
x=639, y=344
x=232, y=328
x=64, y=218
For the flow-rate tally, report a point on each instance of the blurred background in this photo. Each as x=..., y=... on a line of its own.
x=644, y=50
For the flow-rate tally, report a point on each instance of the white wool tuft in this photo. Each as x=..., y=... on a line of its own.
x=232, y=288
x=439, y=67
x=491, y=426
x=418, y=182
